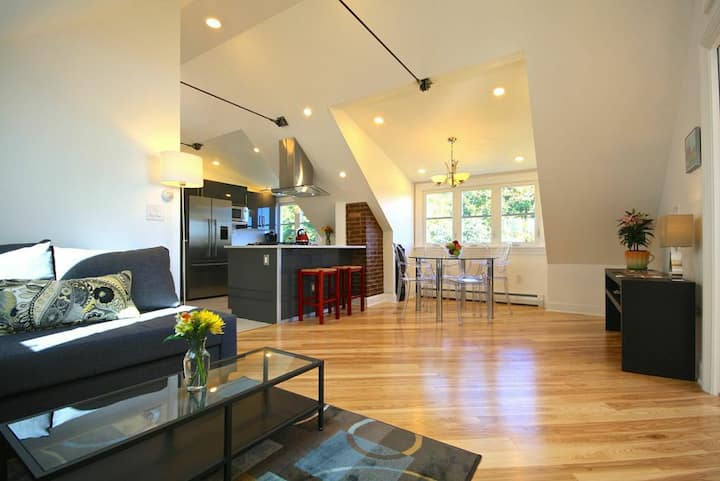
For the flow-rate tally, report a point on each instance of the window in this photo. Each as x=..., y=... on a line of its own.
x=439, y=217
x=518, y=213
x=292, y=218
x=476, y=224
x=501, y=210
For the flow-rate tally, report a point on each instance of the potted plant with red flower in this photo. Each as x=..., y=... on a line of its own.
x=635, y=229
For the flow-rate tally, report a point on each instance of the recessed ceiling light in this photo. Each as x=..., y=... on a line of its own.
x=498, y=91
x=342, y=174
x=215, y=162
x=213, y=22
x=421, y=171
x=228, y=195
x=307, y=111
x=519, y=158
x=256, y=150
x=379, y=120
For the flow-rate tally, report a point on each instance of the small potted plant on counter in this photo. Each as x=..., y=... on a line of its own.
x=635, y=229
x=328, y=231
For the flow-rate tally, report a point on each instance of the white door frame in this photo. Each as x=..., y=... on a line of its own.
x=710, y=127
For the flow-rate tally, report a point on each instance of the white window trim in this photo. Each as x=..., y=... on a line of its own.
x=493, y=182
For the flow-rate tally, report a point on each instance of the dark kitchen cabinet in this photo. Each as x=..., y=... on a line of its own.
x=262, y=210
x=237, y=194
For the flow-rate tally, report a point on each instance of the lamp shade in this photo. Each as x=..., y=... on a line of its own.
x=180, y=169
x=676, y=230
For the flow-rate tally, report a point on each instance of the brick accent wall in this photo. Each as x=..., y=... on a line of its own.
x=363, y=229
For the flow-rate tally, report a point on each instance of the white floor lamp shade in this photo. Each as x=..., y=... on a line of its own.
x=180, y=169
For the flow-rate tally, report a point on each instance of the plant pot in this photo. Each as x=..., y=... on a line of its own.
x=638, y=260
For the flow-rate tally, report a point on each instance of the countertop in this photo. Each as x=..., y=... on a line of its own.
x=292, y=246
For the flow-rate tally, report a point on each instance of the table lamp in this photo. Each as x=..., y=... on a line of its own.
x=180, y=169
x=676, y=231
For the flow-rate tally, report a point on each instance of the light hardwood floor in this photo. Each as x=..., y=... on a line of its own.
x=540, y=395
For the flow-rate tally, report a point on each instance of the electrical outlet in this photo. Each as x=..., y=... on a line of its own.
x=266, y=259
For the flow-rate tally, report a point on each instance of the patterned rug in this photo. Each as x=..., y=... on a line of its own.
x=350, y=448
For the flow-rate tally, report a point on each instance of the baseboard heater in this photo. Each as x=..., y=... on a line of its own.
x=515, y=297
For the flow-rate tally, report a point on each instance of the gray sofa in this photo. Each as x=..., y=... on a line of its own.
x=35, y=377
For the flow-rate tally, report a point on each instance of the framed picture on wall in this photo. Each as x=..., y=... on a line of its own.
x=692, y=150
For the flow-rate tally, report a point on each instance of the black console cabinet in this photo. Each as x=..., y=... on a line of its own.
x=657, y=318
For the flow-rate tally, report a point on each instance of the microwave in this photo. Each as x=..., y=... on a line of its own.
x=240, y=217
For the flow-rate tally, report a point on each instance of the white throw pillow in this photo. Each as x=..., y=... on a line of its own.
x=34, y=262
x=67, y=257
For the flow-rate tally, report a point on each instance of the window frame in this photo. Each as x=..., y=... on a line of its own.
x=300, y=219
x=493, y=183
x=426, y=218
x=463, y=217
x=524, y=215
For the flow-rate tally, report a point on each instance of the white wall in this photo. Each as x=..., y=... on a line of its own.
x=390, y=186
x=89, y=94
x=693, y=193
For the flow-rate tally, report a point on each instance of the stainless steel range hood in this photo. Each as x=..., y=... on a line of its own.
x=296, y=172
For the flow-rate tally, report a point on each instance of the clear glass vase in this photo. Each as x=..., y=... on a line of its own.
x=196, y=365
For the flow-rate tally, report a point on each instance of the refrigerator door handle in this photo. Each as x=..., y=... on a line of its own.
x=215, y=237
x=209, y=242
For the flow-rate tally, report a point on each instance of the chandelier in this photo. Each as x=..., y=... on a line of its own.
x=453, y=177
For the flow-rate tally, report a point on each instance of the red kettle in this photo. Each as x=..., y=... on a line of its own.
x=301, y=237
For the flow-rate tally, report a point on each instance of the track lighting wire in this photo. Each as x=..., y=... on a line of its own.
x=280, y=121
x=423, y=83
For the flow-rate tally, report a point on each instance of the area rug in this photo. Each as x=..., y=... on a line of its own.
x=352, y=448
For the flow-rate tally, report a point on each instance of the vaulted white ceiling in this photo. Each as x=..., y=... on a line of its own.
x=602, y=78
x=491, y=130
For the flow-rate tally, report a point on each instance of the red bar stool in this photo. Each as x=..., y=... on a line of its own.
x=346, y=286
x=319, y=275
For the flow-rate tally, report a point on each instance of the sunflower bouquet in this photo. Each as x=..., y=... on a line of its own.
x=194, y=327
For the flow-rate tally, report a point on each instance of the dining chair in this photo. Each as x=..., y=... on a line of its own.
x=423, y=276
x=469, y=280
x=500, y=265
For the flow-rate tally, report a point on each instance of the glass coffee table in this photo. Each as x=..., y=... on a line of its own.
x=159, y=430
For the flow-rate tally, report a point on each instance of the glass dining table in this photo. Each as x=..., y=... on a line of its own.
x=440, y=261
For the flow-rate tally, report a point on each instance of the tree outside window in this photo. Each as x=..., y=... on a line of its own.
x=438, y=217
x=476, y=224
x=518, y=213
x=292, y=218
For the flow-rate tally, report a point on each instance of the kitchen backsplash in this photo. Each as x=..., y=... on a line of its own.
x=243, y=237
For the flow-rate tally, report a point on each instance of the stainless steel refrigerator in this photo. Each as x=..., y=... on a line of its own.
x=209, y=231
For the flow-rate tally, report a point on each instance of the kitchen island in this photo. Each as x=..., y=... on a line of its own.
x=262, y=279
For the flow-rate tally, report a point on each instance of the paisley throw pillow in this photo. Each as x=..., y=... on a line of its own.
x=45, y=304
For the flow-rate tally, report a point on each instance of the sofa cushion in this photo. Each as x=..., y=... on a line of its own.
x=152, y=288
x=45, y=304
x=42, y=359
x=27, y=262
x=12, y=247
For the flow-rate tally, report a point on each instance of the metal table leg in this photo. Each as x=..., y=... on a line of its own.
x=463, y=290
x=227, y=467
x=438, y=289
x=321, y=396
x=418, y=288
x=490, y=289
